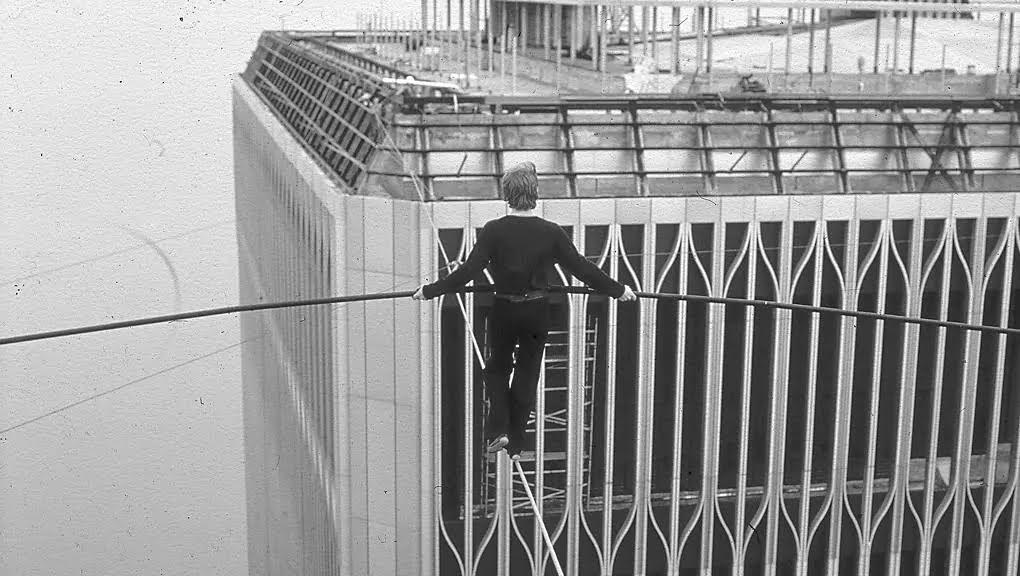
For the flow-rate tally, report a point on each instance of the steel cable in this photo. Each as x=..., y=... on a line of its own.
x=486, y=288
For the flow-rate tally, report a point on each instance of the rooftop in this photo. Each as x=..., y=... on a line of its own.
x=389, y=115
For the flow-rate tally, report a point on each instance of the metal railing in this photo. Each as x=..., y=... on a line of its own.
x=710, y=145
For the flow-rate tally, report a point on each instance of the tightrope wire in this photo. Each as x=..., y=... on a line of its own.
x=485, y=288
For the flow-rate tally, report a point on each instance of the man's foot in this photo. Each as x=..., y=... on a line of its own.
x=496, y=444
x=513, y=451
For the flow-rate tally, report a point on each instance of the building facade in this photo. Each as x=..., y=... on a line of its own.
x=671, y=436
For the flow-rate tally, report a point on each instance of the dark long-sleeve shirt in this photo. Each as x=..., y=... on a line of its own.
x=520, y=252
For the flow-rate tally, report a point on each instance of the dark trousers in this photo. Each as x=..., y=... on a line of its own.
x=526, y=326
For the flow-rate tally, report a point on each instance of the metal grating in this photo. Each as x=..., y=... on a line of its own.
x=329, y=99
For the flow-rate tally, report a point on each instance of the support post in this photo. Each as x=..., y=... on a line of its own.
x=811, y=49
x=513, y=67
x=490, y=21
x=603, y=26
x=943, y=70
x=896, y=46
x=699, y=23
x=913, y=40
x=1009, y=46
x=424, y=32
x=558, y=30
x=827, y=64
x=462, y=38
x=447, y=42
x=708, y=47
x=545, y=30
x=789, y=40
x=998, y=44
x=878, y=40
x=655, y=37
x=504, y=25
x=644, y=31
x=593, y=38
x=575, y=32
x=630, y=36
x=674, y=42
x=522, y=26
x=475, y=39
x=502, y=59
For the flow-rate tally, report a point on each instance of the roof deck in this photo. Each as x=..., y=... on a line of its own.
x=378, y=133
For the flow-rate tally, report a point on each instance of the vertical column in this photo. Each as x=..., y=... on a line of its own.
x=522, y=25
x=558, y=35
x=630, y=35
x=574, y=23
x=646, y=406
x=781, y=323
x=545, y=30
x=878, y=39
x=644, y=31
x=674, y=41
x=913, y=40
x=449, y=30
x=490, y=21
x=435, y=22
x=477, y=22
x=1009, y=46
x=811, y=48
x=575, y=419
x=991, y=446
x=604, y=26
x=827, y=65
x=503, y=27
x=472, y=25
x=593, y=37
x=907, y=387
x=968, y=397
x=655, y=36
x=789, y=41
x=699, y=24
x=713, y=399
x=998, y=44
x=513, y=63
x=844, y=394
x=462, y=48
x=424, y=24
x=708, y=48
x=896, y=46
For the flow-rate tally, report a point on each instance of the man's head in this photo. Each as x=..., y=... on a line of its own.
x=520, y=186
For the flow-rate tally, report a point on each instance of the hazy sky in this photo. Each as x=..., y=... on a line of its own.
x=116, y=179
x=117, y=201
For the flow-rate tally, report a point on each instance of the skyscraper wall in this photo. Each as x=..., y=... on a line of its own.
x=686, y=436
x=332, y=394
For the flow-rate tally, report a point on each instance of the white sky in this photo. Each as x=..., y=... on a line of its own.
x=116, y=129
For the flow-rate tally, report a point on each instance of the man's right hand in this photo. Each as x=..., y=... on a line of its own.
x=628, y=295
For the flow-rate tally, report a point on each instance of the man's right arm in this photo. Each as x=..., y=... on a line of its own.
x=584, y=270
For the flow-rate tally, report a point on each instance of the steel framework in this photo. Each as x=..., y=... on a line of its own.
x=743, y=441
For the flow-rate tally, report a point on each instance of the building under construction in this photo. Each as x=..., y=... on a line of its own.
x=670, y=436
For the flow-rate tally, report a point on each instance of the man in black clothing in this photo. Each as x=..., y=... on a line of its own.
x=520, y=250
